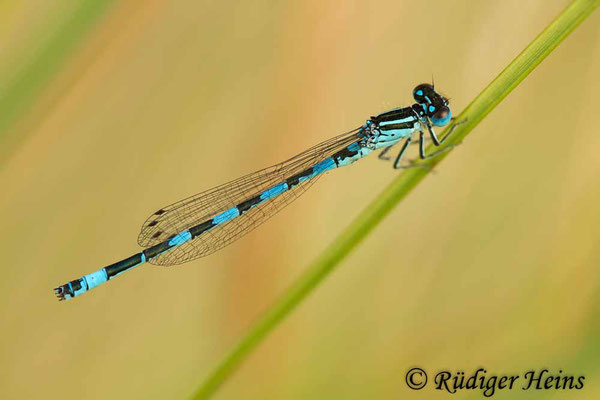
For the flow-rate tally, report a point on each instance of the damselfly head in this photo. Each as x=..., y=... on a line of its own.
x=424, y=92
x=441, y=116
x=434, y=104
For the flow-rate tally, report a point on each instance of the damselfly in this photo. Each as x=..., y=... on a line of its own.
x=204, y=223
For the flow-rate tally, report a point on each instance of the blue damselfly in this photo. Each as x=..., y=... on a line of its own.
x=204, y=223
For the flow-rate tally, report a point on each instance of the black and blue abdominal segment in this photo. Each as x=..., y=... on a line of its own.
x=202, y=224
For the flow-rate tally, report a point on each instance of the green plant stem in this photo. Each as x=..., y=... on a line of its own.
x=497, y=90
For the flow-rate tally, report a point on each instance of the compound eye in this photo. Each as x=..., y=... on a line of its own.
x=441, y=117
x=421, y=91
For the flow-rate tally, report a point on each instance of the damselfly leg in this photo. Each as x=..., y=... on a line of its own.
x=434, y=136
x=421, y=142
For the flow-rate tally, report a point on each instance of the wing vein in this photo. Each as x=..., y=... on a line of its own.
x=194, y=210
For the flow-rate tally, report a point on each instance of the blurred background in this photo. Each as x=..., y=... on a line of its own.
x=110, y=110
